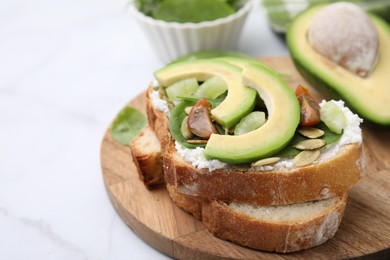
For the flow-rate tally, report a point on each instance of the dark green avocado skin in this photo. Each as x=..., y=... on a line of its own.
x=328, y=91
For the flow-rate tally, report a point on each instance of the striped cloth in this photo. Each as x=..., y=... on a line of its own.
x=281, y=12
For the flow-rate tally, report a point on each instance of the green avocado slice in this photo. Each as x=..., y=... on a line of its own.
x=283, y=119
x=369, y=96
x=240, y=99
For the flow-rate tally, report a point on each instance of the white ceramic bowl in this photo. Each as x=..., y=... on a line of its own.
x=171, y=39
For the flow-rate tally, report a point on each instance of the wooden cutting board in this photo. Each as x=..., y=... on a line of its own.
x=365, y=229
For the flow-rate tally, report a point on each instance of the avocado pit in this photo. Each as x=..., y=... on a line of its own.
x=346, y=35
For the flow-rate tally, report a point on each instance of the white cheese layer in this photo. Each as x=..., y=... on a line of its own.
x=158, y=103
x=197, y=159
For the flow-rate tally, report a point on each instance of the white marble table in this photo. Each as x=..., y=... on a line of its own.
x=66, y=68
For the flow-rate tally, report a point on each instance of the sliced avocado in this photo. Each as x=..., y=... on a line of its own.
x=369, y=96
x=240, y=99
x=283, y=119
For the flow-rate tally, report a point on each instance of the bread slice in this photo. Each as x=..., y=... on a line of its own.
x=285, y=228
x=327, y=179
x=146, y=152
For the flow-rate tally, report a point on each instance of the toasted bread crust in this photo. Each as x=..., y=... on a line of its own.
x=230, y=225
x=159, y=123
x=320, y=181
x=147, y=162
x=279, y=187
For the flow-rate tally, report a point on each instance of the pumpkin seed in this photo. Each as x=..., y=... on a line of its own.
x=197, y=141
x=266, y=161
x=311, y=132
x=310, y=144
x=306, y=157
x=187, y=134
x=187, y=110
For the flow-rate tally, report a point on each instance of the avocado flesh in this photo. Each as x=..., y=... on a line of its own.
x=369, y=96
x=239, y=101
x=283, y=119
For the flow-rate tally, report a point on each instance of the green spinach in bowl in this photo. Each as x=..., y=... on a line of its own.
x=188, y=11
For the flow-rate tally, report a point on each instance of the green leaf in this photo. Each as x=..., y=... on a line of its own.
x=194, y=11
x=127, y=125
x=236, y=4
x=147, y=7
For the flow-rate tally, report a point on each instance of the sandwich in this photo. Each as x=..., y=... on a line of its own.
x=260, y=165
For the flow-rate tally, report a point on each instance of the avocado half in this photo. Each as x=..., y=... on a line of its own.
x=369, y=96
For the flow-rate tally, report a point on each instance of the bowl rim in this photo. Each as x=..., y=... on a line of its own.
x=240, y=12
